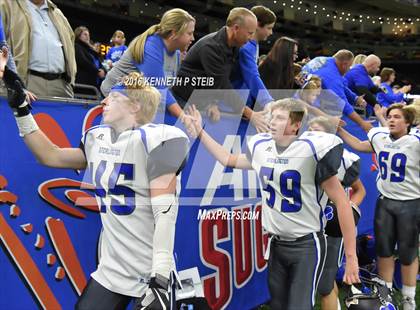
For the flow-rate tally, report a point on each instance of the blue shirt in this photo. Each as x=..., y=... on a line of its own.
x=246, y=76
x=358, y=77
x=160, y=65
x=326, y=69
x=388, y=97
x=114, y=54
x=47, y=53
x=10, y=62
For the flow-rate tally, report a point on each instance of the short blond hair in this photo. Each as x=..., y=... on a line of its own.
x=324, y=122
x=296, y=108
x=237, y=16
x=141, y=93
x=358, y=59
x=416, y=107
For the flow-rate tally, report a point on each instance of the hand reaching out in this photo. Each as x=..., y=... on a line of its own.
x=196, y=121
x=4, y=56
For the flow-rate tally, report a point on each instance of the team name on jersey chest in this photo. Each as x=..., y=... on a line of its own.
x=281, y=161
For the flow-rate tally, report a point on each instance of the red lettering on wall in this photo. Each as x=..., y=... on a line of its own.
x=66, y=252
x=261, y=240
x=27, y=266
x=217, y=286
x=242, y=246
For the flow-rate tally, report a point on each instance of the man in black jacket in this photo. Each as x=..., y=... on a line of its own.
x=212, y=59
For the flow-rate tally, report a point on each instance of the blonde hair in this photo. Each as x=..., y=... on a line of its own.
x=296, y=108
x=173, y=20
x=415, y=107
x=141, y=93
x=237, y=16
x=324, y=122
x=360, y=58
x=117, y=32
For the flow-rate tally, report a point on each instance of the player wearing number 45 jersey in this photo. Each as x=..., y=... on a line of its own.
x=135, y=181
x=397, y=149
x=294, y=173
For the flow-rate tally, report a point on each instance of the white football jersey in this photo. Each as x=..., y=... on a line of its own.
x=121, y=167
x=349, y=169
x=399, y=163
x=293, y=201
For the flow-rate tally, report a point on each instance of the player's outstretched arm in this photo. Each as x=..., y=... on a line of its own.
x=44, y=150
x=358, y=192
x=335, y=192
x=227, y=159
x=355, y=143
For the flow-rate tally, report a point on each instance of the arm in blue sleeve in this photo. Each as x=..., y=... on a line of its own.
x=390, y=97
x=338, y=87
x=251, y=75
x=152, y=66
x=10, y=62
x=108, y=55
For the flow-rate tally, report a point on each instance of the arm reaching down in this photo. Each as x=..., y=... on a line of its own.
x=335, y=192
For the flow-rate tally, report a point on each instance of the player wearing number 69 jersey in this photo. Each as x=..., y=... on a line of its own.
x=294, y=173
x=133, y=165
x=397, y=213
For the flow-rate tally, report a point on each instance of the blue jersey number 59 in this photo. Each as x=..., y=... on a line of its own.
x=289, y=183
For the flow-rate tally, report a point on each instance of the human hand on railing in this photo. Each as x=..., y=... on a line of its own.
x=4, y=55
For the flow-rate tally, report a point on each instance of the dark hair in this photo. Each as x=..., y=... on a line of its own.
x=277, y=69
x=386, y=73
x=78, y=31
x=264, y=15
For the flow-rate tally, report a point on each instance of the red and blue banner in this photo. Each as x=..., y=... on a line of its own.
x=49, y=241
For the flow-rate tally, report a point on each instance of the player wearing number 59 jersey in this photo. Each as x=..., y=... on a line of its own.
x=294, y=172
x=133, y=165
x=397, y=213
x=290, y=178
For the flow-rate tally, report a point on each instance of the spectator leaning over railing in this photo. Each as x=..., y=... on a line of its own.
x=213, y=58
x=42, y=42
x=156, y=53
x=360, y=82
x=245, y=73
x=331, y=71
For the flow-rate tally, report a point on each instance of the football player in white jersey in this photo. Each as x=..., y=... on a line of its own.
x=348, y=174
x=135, y=179
x=397, y=212
x=294, y=173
